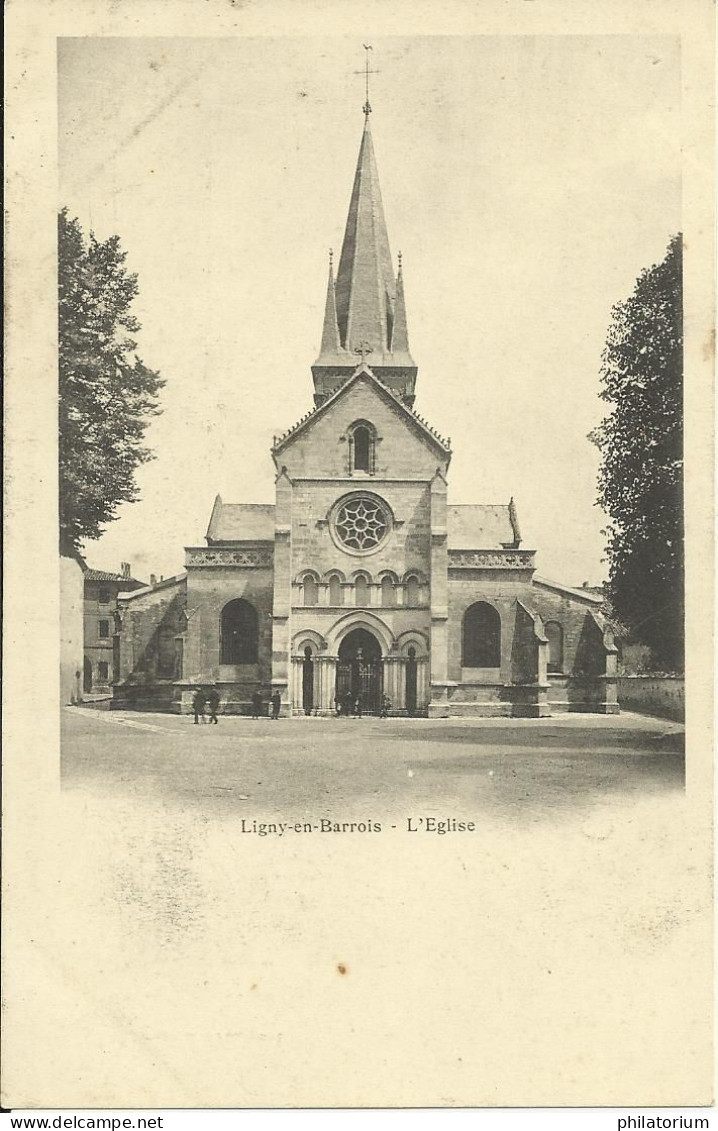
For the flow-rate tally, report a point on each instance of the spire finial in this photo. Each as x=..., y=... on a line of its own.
x=399, y=257
x=331, y=258
x=366, y=72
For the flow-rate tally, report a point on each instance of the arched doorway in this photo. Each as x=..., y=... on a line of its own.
x=411, y=682
x=308, y=681
x=359, y=671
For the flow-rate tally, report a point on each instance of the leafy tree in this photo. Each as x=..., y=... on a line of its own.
x=107, y=394
x=641, y=475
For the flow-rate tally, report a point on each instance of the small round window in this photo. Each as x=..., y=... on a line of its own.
x=361, y=523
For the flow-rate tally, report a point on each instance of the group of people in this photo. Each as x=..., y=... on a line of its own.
x=275, y=700
x=208, y=701
x=204, y=702
x=350, y=704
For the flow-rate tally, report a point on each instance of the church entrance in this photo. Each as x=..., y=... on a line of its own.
x=359, y=672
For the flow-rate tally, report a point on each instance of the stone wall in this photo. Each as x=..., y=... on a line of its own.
x=401, y=449
x=209, y=589
x=653, y=694
x=405, y=550
x=148, y=645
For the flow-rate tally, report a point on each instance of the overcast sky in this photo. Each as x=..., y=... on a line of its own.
x=527, y=182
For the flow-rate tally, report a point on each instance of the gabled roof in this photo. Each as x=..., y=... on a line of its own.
x=478, y=527
x=241, y=522
x=166, y=583
x=364, y=372
x=105, y=575
x=582, y=594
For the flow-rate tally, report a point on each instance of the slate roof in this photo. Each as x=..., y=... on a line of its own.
x=241, y=522
x=480, y=527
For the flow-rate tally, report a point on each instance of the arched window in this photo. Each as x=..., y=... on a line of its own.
x=361, y=591
x=361, y=447
x=388, y=594
x=336, y=593
x=310, y=591
x=411, y=681
x=481, y=644
x=554, y=633
x=412, y=591
x=308, y=681
x=240, y=633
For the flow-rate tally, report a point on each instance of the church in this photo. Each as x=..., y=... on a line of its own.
x=363, y=583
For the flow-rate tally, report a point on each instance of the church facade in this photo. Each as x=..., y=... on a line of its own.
x=364, y=584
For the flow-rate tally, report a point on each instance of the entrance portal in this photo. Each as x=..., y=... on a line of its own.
x=359, y=672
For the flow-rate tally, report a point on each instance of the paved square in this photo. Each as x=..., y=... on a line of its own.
x=350, y=768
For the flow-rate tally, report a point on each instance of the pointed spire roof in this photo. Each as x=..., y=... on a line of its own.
x=400, y=335
x=330, y=330
x=365, y=280
x=364, y=311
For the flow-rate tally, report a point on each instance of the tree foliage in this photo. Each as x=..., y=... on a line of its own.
x=107, y=394
x=641, y=474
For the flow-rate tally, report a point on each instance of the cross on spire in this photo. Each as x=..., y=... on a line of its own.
x=366, y=72
x=363, y=349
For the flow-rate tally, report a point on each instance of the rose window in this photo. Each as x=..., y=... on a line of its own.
x=361, y=523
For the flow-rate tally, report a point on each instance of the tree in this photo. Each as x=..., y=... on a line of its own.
x=107, y=394
x=641, y=475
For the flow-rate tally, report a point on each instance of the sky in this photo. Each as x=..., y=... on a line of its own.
x=527, y=182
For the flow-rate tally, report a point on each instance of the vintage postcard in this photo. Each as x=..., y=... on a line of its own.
x=359, y=583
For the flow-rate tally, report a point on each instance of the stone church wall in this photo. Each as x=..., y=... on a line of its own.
x=209, y=590
x=587, y=679
x=146, y=650
x=407, y=548
x=500, y=588
x=323, y=449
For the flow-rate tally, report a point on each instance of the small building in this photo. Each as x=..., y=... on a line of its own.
x=101, y=590
x=363, y=581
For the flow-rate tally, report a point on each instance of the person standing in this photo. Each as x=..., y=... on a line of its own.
x=256, y=704
x=213, y=703
x=276, y=704
x=358, y=705
x=198, y=701
x=385, y=707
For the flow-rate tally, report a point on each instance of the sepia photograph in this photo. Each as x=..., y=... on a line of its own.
x=370, y=426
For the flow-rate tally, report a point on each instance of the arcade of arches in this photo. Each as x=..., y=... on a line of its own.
x=358, y=676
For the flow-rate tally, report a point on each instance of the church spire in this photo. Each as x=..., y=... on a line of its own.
x=367, y=299
x=330, y=331
x=365, y=279
x=400, y=335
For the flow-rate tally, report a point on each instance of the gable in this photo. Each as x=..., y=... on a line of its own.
x=479, y=527
x=405, y=446
x=241, y=522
